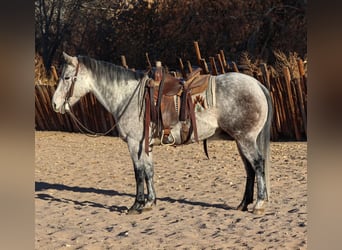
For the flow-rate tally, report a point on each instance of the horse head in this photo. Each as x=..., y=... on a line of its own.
x=71, y=85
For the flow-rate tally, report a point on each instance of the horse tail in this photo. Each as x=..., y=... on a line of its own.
x=263, y=140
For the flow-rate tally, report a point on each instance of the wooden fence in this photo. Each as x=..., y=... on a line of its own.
x=288, y=93
x=289, y=96
x=88, y=110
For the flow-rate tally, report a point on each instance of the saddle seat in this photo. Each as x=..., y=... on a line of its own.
x=195, y=82
x=162, y=100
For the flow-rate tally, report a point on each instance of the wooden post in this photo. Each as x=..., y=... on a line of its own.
x=181, y=66
x=46, y=105
x=301, y=104
x=301, y=70
x=235, y=68
x=204, y=66
x=123, y=62
x=54, y=73
x=213, y=66
x=281, y=98
x=279, y=106
x=149, y=65
x=301, y=93
x=198, y=53
x=62, y=120
x=189, y=66
x=39, y=109
x=96, y=113
x=100, y=115
x=223, y=58
x=265, y=75
x=291, y=101
x=219, y=58
x=300, y=67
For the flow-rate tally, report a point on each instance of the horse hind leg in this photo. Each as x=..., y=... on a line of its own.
x=254, y=161
x=249, y=189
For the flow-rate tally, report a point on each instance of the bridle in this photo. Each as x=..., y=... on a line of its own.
x=78, y=123
x=72, y=86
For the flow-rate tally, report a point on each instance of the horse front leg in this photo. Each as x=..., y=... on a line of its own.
x=144, y=171
x=151, y=194
x=139, y=202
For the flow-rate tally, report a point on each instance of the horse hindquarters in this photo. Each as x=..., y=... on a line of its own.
x=255, y=155
x=245, y=113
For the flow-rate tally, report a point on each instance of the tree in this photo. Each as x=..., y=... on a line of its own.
x=54, y=20
x=166, y=29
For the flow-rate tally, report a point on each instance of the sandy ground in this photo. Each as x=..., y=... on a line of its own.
x=84, y=186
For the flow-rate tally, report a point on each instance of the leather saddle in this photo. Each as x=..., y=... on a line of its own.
x=169, y=100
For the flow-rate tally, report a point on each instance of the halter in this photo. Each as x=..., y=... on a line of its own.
x=79, y=124
x=71, y=89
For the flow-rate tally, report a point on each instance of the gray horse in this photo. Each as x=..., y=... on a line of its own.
x=241, y=108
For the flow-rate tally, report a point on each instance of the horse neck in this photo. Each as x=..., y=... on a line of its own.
x=116, y=94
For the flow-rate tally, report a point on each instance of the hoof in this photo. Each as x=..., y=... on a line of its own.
x=259, y=207
x=150, y=204
x=134, y=211
x=259, y=211
x=139, y=211
x=138, y=208
x=242, y=207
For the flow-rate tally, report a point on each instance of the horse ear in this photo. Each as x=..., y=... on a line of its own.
x=70, y=59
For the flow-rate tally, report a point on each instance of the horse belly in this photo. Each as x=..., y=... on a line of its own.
x=206, y=122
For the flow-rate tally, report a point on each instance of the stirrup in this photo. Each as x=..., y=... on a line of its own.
x=171, y=143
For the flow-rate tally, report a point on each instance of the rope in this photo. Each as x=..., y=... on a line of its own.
x=91, y=133
x=83, y=128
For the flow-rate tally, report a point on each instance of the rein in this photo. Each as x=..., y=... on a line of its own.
x=83, y=129
x=78, y=123
x=73, y=80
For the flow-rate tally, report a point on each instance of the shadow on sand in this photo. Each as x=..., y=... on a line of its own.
x=42, y=186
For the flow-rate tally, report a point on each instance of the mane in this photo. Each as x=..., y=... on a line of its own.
x=102, y=70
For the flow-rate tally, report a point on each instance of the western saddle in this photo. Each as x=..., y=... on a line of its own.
x=164, y=94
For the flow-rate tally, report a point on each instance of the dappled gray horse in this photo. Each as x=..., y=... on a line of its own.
x=242, y=109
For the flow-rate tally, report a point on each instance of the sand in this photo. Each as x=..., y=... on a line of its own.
x=84, y=186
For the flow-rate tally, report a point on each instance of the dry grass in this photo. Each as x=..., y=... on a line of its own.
x=250, y=67
x=40, y=73
x=290, y=61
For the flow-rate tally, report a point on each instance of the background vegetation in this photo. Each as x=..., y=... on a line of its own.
x=166, y=29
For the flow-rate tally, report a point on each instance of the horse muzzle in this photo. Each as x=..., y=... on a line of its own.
x=65, y=107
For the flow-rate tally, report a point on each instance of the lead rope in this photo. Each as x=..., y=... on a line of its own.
x=91, y=133
x=83, y=128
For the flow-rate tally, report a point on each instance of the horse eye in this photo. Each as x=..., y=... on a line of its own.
x=67, y=78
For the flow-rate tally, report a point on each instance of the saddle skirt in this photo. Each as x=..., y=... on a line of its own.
x=172, y=100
